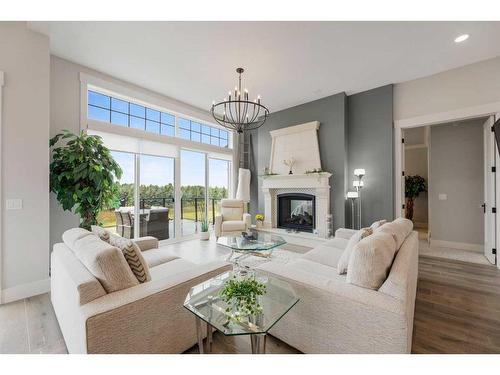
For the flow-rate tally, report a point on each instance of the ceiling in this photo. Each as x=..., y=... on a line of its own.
x=288, y=63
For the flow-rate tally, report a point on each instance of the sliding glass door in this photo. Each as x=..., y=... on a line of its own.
x=193, y=188
x=218, y=185
x=120, y=219
x=156, y=197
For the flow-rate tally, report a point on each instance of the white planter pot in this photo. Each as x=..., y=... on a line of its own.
x=259, y=224
x=204, y=236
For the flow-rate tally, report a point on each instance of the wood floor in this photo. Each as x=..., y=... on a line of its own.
x=457, y=311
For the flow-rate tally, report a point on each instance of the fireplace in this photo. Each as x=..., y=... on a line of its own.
x=296, y=211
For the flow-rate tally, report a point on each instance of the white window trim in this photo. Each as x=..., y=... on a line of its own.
x=1, y=196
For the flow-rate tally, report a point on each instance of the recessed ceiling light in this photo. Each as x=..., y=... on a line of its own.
x=461, y=38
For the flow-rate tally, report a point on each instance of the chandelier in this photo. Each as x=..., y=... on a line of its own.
x=237, y=112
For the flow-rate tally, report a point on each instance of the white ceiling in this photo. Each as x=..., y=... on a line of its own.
x=288, y=63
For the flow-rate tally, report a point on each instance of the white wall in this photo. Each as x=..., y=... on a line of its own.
x=456, y=169
x=24, y=58
x=468, y=86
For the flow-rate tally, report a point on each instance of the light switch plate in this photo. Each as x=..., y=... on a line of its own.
x=443, y=197
x=14, y=204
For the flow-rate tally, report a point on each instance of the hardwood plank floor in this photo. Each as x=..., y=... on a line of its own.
x=457, y=310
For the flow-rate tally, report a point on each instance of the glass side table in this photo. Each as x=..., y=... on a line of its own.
x=204, y=302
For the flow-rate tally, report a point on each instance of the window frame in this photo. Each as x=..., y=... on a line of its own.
x=177, y=110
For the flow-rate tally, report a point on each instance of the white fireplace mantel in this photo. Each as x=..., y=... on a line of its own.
x=316, y=184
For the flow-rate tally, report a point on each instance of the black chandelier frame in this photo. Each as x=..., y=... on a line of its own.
x=240, y=114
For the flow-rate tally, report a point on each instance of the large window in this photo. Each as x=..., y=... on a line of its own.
x=169, y=184
x=105, y=108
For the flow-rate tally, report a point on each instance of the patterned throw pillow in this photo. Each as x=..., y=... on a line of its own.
x=346, y=255
x=133, y=256
x=100, y=232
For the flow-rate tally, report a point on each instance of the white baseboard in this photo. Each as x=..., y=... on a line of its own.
x=25, y=290
x=458, y=245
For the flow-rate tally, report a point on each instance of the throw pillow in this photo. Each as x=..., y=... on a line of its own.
x=378, y=224
x=100, y=232
x=133, y=256
x=371, y=261
x=399, y=228
x=344, y=258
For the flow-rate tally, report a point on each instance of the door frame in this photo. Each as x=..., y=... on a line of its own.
x=1, y=194
x=490, y=109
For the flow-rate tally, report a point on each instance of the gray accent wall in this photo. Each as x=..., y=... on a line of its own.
x=370, y=145
x=456, y=168
x=331, y=113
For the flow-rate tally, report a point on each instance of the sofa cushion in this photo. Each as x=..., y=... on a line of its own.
x=133, y=256
x=154, y=257
x=377, y=224
x=70, y=236
x=323, y=254
x=233, y=226
x=371, y=260
x=318, y=269
x=338, y=243
x=399, y=228
x=343, y=262
x=100, y=232
x=169, y=269
x=106, y=262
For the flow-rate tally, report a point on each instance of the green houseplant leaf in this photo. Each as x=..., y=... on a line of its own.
x=83, y=175
x=414, y=185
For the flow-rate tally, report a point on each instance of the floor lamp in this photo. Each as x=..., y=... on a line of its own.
x=358, y=184
x=352, y=196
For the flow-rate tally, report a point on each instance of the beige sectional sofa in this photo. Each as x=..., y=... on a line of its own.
x=334, y=316
x=144, y=317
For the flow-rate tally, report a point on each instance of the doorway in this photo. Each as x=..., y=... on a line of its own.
x=455, y=216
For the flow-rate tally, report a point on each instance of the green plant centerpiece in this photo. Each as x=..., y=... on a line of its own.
x=83, y=175
x=241, y=296
x=414, y=185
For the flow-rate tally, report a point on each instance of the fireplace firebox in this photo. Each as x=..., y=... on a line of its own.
x=296, y=211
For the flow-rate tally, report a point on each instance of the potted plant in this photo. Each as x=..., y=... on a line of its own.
x=241, y=296
x=83, y=176
x=414, y=185
x=205, y=234
x=259, y=220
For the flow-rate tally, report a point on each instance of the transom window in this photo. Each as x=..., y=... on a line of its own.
x=120, y=112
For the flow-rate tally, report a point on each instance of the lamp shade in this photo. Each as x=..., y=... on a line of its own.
x=359, y=172
x=243, y=190
x=358, y=183
x=352, y=194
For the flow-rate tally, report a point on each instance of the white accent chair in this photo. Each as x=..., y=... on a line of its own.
x=233, y=218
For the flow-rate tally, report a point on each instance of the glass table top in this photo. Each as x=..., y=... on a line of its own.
x=260, y=241
x=205, y=302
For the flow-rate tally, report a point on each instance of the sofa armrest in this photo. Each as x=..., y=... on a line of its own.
x=345, y=233
x=147, y=318
x=247, y=218
x=147, y=243
x=218, y=226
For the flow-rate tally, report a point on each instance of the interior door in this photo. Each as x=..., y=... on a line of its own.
x=489, y=191
x=402, y=150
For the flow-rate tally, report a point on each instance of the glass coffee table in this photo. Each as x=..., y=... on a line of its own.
x=259, y=244
x=205, y=302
